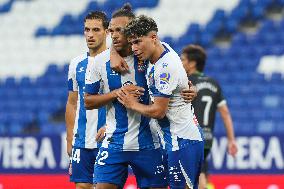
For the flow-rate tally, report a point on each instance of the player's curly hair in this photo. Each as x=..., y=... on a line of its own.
x=140, y=26
x=100, y=15
x=125, y=10
x=196, y=53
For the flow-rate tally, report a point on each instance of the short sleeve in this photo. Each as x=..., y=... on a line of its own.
x=93, y=77
x=166, y=81
x=220, y=97
x=72, y=82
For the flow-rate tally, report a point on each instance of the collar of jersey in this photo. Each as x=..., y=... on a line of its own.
x=198, y=73
x=165, y=52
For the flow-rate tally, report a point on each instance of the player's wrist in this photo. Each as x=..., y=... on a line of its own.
x=132, y=105
x=114, y=93
x=231, y=140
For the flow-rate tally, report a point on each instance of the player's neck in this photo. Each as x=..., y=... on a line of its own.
x=125, y=52
x=157, y=53
x=94, y=52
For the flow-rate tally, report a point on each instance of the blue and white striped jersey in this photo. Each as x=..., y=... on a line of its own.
x=126, y=130
x=167, y=78
x=87, y=122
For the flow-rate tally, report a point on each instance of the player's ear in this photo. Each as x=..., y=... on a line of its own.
x=154, y=36
x=192, y=64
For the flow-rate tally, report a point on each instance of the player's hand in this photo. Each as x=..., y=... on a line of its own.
x=232, y=148
x=134, y=90
x=101, y=134
x=117, y=63
x=125, y=98
x=189, y=94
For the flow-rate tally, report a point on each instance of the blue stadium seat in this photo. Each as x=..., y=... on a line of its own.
x=10, y=82
x=206, y=39
x=41, y=31
x=266, y=127
x=43, y=117
x=15, y=128
x=72, y=25
x=25, y=82
x=193, y=28
x=52, y=128
x=258, y=11
x=7, y=6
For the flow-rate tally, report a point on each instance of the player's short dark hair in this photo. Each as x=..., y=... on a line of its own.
x=124, y=11
x=98, y=15
x=140, y=26
x=196, y=53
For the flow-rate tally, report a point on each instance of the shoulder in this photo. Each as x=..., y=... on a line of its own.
x=211, y=80
x=75, y=61
x=173, y=52
x=170, y=63
x=103, y=57
x=207, y=83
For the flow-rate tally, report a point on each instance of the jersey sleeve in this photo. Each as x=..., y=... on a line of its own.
x=220, y=97
x=93, y=77
x=72, y=82
x=166, y=81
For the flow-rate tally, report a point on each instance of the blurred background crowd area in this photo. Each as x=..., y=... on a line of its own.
x=244, y=40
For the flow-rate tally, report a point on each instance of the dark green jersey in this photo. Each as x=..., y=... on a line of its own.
x=209, y=98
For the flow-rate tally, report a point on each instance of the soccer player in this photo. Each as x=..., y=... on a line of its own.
x=208, y=101
x=166, y=79
x=83, y=126
x=130, y=139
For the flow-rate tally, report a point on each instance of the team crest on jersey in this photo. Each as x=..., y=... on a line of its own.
x=141, y=66
x=127, y=83
x=164, y=80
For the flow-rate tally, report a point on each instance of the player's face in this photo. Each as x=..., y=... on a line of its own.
x=116, y=27
x=186, y=63
x=95, y=33
x=142, y=47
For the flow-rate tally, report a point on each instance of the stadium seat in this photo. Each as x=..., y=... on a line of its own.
x=250, y=69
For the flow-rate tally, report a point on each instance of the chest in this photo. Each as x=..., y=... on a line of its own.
x=114, y=80
x=80, y=73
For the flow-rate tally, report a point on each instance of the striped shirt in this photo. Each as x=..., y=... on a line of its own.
x=126, y=130
x=87, y=122
x=167, y=78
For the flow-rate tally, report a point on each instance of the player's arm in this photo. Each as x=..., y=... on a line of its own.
x=70, y=114
x=71, y=105
x=228, y=123
x=117, y=63
x=95, y=100
x=161, y=95
x=156, y=110
x=92, y=98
